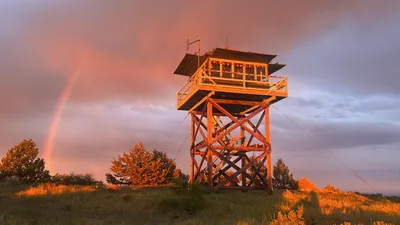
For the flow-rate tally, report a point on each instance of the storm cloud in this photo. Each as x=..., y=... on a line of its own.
x=341, y=56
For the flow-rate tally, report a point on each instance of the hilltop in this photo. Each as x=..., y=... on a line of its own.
x=60, y=204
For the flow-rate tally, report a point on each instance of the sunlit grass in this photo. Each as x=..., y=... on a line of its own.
x=336, y=204
x=60, y=204
x=53, y=189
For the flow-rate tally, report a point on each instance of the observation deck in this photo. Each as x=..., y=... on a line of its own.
x=237, y=80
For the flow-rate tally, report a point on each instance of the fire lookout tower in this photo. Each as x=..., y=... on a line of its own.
x=228, y=94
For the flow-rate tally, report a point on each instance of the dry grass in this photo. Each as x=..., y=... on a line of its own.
x=60, y=204
x=53, y=189
x=112, y=187
x=331, y=203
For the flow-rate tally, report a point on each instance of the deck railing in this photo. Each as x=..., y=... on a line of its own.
x=203, y=77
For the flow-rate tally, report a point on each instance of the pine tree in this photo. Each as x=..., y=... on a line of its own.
x=22, y=161
x=283, y=179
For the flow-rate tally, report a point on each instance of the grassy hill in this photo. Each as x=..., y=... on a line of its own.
x=51, y=204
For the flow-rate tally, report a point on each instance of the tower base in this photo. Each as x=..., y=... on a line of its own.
x=228, y=150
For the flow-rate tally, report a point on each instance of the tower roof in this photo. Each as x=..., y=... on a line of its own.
x=188, y=65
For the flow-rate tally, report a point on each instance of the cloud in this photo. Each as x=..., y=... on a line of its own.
x=340, y=56
x=351, y=59
x=134, y=47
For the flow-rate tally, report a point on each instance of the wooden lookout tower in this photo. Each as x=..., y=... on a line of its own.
x=228, y=94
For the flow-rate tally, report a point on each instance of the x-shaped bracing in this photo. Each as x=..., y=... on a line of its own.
x=220, y=151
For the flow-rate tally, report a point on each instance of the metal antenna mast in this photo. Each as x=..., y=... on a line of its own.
x=198, y=53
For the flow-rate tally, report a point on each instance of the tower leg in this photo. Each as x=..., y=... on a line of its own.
x=192, y=142
x=221, y=157
x=209, y=147
x=243, y=158
x=268, y=144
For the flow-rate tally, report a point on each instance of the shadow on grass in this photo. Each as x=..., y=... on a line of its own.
x=312, y=209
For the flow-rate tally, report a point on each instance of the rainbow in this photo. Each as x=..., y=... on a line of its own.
x=62, y=100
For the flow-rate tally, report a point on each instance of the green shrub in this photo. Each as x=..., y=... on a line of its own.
x=188, y=198
x=75, y=179
x=11, y=181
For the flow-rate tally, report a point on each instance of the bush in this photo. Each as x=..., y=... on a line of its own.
x=142, y=168
x=331, y=188
x=292, y=218
x=188, y=198
x=306, y=185
x=75, y=179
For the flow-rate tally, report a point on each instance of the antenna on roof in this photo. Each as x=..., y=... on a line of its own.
x=226, y=40
x=188, y=43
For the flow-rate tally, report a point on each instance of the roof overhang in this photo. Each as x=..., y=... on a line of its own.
x=189, y=65
x=190, y=62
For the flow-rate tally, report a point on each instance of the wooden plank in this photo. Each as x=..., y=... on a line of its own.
x=236, y=102
x=240, y=90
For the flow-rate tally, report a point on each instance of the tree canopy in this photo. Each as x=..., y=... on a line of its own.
x=140, y=167
x=22, y=161
x=282, y=178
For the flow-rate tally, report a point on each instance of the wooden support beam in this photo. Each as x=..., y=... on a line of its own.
x=237, y=124
x=236, y=102
x=261, y=148
x=201, y=118
x=255, y=128
x=201, y=101
x=232, y=164
x=241, y=170
x=209, y=137
x=204, y=156
x=257, y=171
x=268, y=142
x=249, y=110
x=192, y=140
x=261, y=138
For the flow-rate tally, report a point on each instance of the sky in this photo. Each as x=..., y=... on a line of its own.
x=89, y=79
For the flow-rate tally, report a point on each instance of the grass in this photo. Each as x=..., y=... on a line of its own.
x=59, y=204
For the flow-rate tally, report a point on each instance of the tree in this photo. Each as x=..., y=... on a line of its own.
x=22, y=161
x=140, y=167
x=282, y=178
